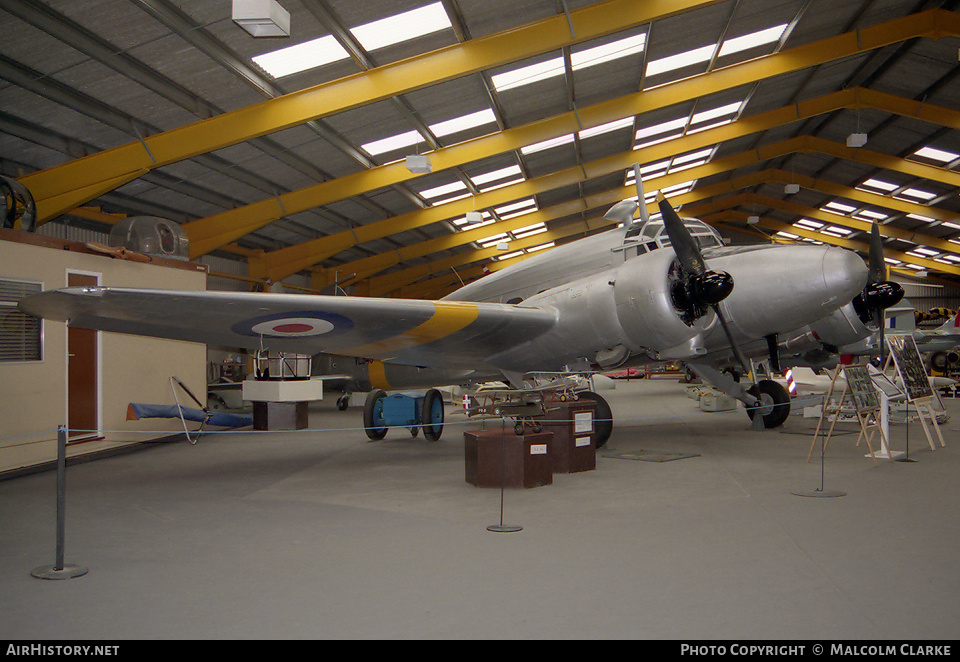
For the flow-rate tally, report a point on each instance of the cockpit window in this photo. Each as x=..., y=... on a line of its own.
x=653, y=231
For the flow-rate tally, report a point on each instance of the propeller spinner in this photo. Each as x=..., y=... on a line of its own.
x=699, y=288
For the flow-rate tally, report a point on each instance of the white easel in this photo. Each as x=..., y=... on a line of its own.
x=916, y=385
x=866, y=405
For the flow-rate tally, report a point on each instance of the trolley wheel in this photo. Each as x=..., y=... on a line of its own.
x=373, y=422
x=431, y=415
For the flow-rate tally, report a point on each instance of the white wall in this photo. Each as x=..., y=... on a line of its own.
x=33, y=396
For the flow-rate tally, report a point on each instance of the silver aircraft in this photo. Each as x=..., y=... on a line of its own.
x=656, y=288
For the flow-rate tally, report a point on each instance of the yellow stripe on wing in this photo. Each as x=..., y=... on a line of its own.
x=448, y=318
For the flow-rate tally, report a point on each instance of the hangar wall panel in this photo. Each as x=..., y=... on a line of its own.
x=33, y=395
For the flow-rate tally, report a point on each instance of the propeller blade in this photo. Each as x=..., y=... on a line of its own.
x=684, y=245
x=878, y=268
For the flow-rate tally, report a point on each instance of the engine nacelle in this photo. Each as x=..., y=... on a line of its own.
x=844, y=327
x=647, y=313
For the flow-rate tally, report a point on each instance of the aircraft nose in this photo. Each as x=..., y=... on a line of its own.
x=781, y=288
x=844, y=274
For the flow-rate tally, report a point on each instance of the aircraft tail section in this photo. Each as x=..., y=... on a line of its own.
x=952, y=325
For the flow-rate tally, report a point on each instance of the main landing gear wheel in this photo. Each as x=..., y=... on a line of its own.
x=431, y=415
x=520, y=426
x=602, y=417
x=774, y=403
x=373, y=421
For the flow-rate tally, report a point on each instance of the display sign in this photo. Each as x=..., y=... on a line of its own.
x=860, y=386
x=906, y=356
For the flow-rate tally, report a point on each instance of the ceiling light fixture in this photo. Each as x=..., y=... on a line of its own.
x=419, y=164
x=262, y=18
x=856, y=140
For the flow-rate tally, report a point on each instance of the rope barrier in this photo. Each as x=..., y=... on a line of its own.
x=811, y=399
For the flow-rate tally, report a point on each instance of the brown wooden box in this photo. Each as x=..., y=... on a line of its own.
x=525, y=459
x=280, y=415
x=573, y=447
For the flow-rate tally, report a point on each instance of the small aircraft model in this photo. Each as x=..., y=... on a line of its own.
x=654, y=289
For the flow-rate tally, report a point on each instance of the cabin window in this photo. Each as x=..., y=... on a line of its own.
x=20, y=334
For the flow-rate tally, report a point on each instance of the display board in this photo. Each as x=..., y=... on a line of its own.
x=906, y=356
x=860, y=386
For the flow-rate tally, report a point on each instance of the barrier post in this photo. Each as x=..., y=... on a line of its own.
x=59, y=570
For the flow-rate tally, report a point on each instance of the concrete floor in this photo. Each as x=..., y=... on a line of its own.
x=322, y=534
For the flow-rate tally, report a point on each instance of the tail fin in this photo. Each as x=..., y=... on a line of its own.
x=952, y=324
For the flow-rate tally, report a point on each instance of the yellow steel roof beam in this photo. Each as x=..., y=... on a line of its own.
x=371, y=265
x=206, y=233
x=72, y=184
x=284, y=262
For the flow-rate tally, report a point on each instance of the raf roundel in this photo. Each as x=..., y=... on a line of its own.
x=294, y=325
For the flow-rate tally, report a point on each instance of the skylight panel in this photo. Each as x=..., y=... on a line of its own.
x=469, y=121
x=808, y=224
x=439, y=129
x=493, y=239
x=918, y=193
x=547, y=144
x=607, y=128
x=549, y=244
x=714, y=113
x=308, y=55
x=678, y=189
x=444, y=189
x=530, y=230
x=517, y=208
x=528, y=74
x=680, y=60
x=837, y=208
x=836, y=231
x=872, y=214
x=392, y=143
x=402, y=27
x=651, y=167
x=752, y=40
x=937, y=154
x=607, y=52
x=496, y=175
x=692, y=156
x=578, y=60
x=879, y=184
x=662, y=127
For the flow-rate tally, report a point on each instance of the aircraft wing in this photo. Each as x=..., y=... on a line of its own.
x=413, y=332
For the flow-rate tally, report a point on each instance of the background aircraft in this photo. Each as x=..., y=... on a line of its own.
x=654, y=289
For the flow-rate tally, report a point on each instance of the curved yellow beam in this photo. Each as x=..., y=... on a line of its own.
x=281, y=263
x=72, y=184
x=208, y=233
x=366, y=267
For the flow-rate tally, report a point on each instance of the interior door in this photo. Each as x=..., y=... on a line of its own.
x=82, y=373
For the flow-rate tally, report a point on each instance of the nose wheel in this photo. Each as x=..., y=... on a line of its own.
x=773, y=403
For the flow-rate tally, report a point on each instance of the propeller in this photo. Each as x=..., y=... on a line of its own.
x=879, y=293
x=698, y=288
